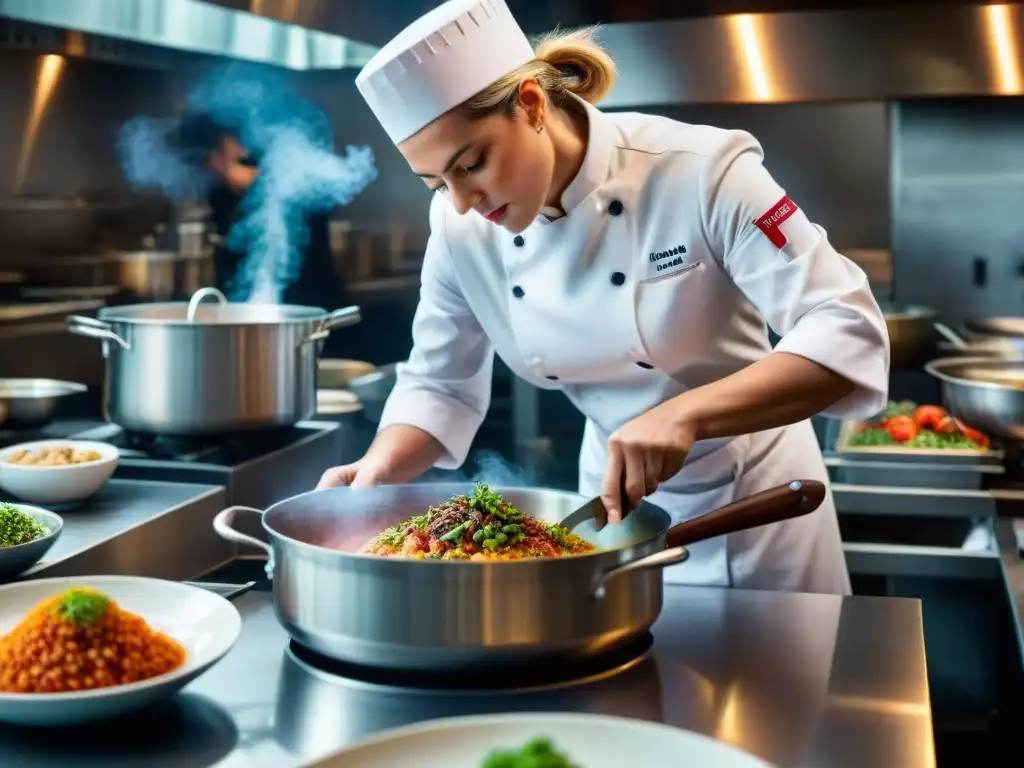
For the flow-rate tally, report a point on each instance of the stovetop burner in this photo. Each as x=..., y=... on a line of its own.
x=517, y=678
x=227, y=450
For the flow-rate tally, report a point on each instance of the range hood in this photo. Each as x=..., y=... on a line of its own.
x=918, y=51
x=196, y=27
x=789, y=51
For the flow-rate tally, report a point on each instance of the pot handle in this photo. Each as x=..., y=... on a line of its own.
x=783, y=502
x=222, y=526
x=197, y=299
x=94, y=329
x=339, y=318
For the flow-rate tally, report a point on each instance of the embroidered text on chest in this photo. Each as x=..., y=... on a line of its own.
x=659, y=257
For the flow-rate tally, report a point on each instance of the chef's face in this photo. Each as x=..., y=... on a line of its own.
x=498, y=166
x=227, y=162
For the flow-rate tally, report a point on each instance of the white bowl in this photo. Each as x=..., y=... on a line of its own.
x=594, y=741
x=59, y=484
x=205, y=623
x=16, y=560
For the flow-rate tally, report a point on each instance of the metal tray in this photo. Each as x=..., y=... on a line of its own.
x=957, y=456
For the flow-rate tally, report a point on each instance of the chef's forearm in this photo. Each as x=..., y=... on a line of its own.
x=780, y=389
x=401, y=453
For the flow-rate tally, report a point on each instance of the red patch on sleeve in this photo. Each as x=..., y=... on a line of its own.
x=769, y=223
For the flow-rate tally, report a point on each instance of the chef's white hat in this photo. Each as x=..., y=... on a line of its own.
x=440, y=60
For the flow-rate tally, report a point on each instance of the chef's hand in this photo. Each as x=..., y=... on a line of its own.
x=642, y=454
x=361, y=474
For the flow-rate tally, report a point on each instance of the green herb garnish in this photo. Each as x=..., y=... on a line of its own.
x=539, y=753
x=82, y=606
x=486, y=500
x=16, y=527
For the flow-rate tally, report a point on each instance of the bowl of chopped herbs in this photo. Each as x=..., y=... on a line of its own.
x=26, y=534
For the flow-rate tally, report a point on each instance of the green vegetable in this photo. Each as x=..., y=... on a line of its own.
x=538, y=753
x=872, y=436
x=485, y=500
x=457, y=531
x=501, y=538
x=510, y=528
x=82, y=606
x=491, y=543
x=479, y=535
x=926, y=438
x=488, y=531
x=18, y=528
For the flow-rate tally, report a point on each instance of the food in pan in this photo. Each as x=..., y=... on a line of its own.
x=18, y=528
x=538, y=753
x=908, y=425
x=480, y=526
x=81, y=639
x=53, y=456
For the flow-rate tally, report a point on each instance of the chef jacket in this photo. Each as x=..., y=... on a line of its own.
x=677, y=251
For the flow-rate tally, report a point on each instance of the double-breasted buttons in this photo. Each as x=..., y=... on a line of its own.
x=646, y=366
x=615, y=208
x=518, y=292
x=519, y=241
x=618, y=278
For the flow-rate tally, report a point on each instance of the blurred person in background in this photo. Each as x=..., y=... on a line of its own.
x=217, y=148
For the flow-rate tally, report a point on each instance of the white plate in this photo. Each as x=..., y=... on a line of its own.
x=59, y=484
x=590, y=741
x=206, y=624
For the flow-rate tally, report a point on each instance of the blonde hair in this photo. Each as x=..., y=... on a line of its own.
x=569, y=62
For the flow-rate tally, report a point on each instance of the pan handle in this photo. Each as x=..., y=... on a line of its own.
x=951, y=336
x=94, y=329
x=222, y=524
x=799, y=497
x=339, y=318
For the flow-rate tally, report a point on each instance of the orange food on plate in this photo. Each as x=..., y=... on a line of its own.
x=81, y=639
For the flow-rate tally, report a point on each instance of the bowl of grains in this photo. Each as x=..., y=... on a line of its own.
x=78, y=650
x=26, y=534
x=56, y=471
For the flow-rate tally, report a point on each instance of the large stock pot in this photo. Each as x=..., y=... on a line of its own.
x=187, y=369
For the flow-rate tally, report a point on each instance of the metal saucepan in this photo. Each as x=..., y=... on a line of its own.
x=987, y=346
x=30, y=403
x=985, y=392
x=192, y=369
x=911, y=335
x=429, y=614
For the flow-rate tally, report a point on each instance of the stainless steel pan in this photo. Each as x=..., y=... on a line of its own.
x=985, y=392
x=429, y=614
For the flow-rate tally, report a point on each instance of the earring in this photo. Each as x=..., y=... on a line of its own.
x=540, y=127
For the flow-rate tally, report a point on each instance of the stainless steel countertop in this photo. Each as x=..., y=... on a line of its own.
x=139, y=527
x=798, y=679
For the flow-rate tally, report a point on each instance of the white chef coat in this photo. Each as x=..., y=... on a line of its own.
x=657, y=280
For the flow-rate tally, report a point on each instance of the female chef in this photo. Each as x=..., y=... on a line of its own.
x=635, y=263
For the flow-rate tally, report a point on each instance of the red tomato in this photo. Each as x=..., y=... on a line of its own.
x=947, y=425
x=901, y=428
x=928, y=416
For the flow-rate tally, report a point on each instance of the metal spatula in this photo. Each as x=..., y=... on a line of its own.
x=590, y=522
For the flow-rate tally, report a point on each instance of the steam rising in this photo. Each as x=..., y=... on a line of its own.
x=300, y=172
x=489, y=467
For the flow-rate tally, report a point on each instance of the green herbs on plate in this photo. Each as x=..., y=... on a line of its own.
x=537, y=753
x=16, y=527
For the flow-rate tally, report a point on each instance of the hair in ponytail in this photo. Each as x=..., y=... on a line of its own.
x=570, y=62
